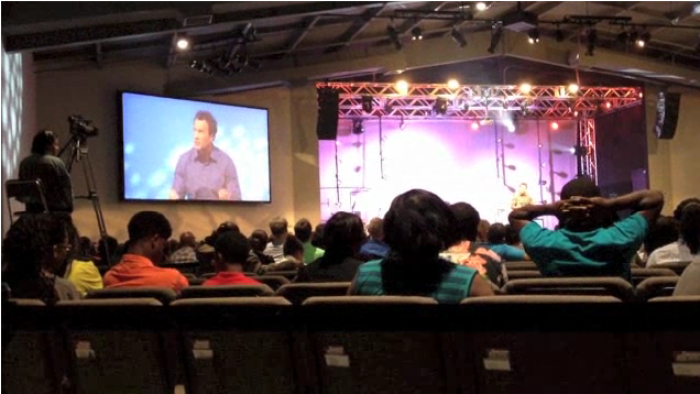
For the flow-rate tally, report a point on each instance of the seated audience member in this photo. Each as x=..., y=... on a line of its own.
x=662, y=233
x=258, y=241
x=375, y=247
x=85, y=245
x=34, y=249
x=108, y=248
x=467, y=252
x=252, y=263
x=302, y=230
x=293, y=257
x=278, y=228
x=317, y=237
x=589, y=242
x=148, y=233
x=205, y=256
x=417, y=227
x=185, y=253
x=687, y=246
x=343, y=236
x=80, y=270
x=512, y=237
x=232, y=251
x=482, y=234
x=497, y=243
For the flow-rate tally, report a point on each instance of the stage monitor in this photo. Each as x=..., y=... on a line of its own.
x=190, y=150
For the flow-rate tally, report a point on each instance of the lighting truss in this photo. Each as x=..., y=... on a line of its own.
x=476, y=102
x=588, y=159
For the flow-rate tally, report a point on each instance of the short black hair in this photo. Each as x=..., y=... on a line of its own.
x=512, y=235
x=146, y=224
x=663, y=232
x=233, y=247
x=209, y=118
x=292, y=245
x=42, y=141
x=467, y=221
x=343, y=233
x=678, y=212
x=581, y=186
x=278, y=226
x=690, y=227
x=302, y=230
x=497, y=233
x=258, y=240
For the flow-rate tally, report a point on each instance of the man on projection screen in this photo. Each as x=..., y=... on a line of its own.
x=205, y=172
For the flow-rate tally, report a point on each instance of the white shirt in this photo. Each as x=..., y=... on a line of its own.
x=275, y=251
x=671, y=253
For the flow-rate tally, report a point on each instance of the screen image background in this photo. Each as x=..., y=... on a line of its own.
x=158, y=130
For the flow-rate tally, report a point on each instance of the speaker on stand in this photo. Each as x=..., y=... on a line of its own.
x=327, y=125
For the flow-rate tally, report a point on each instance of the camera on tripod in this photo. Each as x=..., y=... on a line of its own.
x=81, y=128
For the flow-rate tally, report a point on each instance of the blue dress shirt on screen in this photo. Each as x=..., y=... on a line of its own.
x=197, y=179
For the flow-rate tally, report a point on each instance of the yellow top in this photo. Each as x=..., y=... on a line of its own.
x=85, y=276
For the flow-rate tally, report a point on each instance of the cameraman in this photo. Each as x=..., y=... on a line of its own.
x=45, y=165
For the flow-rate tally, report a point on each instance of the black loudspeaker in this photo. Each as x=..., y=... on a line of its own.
x=327, y=125
x=667, y=108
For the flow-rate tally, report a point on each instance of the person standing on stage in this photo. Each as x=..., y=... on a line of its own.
x=521, y=198
x=43, y=164
x=205, y=172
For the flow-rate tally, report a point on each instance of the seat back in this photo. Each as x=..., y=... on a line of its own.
x=379, y=344
x=616, y=287
x=118, y=345
x=521, y=266
x=22, y=191
x=297, y=293
x=523, y=274
x=656, y=287
x=238, y=345
x=163, y=294
x=287, y=274
x=184, y=268
x=678, y=267
x=274, y=281
x=640, y=274
x=226, y=291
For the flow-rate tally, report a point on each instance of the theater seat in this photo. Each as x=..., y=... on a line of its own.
x=520, y=266
x=523, y=274
x=386, y=344
x=118, y=345
x=274, y=281
x=656, y=287
x=616, y=287
x=287, y=274
x=227, y=291
x=297, y=293
x=640, y=274
x=163, y=294
x=540, y=299
x=678, y=267
x=238, y=345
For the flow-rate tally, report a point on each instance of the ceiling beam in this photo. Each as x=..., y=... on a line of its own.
x=409, y=24
x=358, y=25
x=300, y=34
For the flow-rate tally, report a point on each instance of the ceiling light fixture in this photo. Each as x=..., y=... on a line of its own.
x=182, y=43
x=591, y=41
x=416, y=33
x=533, y=36
x=496, y=33
x=458, y=37
x=394, y=37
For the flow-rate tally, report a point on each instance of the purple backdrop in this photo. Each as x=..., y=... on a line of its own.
x=448, y=158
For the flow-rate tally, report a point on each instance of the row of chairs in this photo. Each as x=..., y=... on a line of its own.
x=296, y=293
x=490, y=345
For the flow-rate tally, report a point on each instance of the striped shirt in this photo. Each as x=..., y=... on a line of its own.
x=453, y=288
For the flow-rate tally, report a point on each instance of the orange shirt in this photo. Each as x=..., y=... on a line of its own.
x=136, y=271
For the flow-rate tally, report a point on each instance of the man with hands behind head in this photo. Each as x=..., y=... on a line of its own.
x=589, y=242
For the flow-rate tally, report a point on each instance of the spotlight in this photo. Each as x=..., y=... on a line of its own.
x=440, y=106
x=559, y=35
x=525, y=88
x=592, y=38
x=554, y=126
x=416, y=33
x=573, y=88
x=496, y=33
x=458, y=37
x=482, y=6
x=572, y=150
x=534, y=36
x=394, y=37
x=367, y=104
x=643, y=39
x=511, y=128
x=183, y=43
x=608, y=105
x=475, y=126
x=357, y=127
x=452, y=84
x=402, y=87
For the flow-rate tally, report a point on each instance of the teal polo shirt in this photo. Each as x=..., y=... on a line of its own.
x=602, y=252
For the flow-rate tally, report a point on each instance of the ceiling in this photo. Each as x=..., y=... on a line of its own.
x=68, y=35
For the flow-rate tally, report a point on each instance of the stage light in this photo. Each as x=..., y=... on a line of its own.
x=592, y=38
x=534, y=36
x=416, y=33
x=394, y=37
x=643, y=39
x=608, y=105
x=573, y=88
x=496, y=33
x=183, y=43
x=481, y=6
x=641, y=95
x=576, y=113
x=554, y=126
x=402, y=87
x=452, y=84
x=475, y=126
x=440, y=106
x=367, y=103
x=357, y=127
x=696, y=9
x=511, y=128
x=572, y=150
x=458, y=37
x=525, y=88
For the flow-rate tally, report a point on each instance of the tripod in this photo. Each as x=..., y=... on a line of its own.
x=79, y=154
